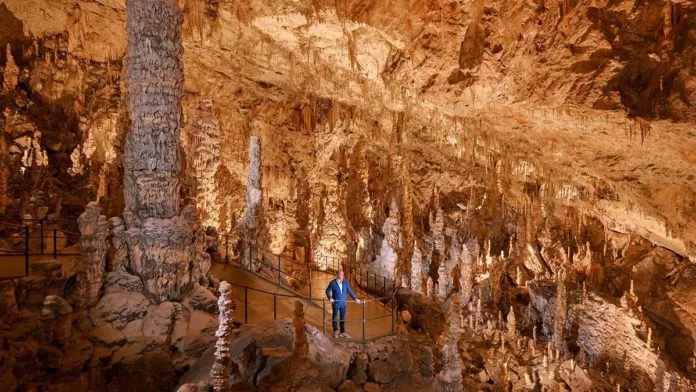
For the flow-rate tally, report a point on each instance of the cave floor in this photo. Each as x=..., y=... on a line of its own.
x=259, y=305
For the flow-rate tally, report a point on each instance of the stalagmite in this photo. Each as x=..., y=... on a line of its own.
x=479, y=315
x=300, y=346
x=561, y=311
x=466, y=280
x=220, y=372
x=404, y=268
x=386, y=262
x=450, y=376
x=417, y=270
x=511, y=323
x=430, y=290
x=94, y=245
x=534, y=335
x=250, y=221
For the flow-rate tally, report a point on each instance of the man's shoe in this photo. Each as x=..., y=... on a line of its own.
x=336, y=334
x=343, y=335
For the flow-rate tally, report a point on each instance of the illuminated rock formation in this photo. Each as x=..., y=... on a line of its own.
x=165, y=245
x=94, y=245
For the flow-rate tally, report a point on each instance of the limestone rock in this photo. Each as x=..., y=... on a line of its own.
x=119, y=308
x=371, y=387
x=8, y=300
x=200, y=334
x=163, y=251
x=201, y=298
x=107, y=336
x=93, y=245
x=349, y=386
x=56, y=315
x=158, y=320
x=427, y=314
x=121, y=280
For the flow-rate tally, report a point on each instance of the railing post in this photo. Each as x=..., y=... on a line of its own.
x=310, y=283
x=55, y=243
x=278, y=270
x=42, y=236
x=227, y=248
x=393, y=314
x=249, y=267
x=323, y=316
x=385, y=286
x=363, y=320
x=275, y=305
x=246, y=306
x=26, y=250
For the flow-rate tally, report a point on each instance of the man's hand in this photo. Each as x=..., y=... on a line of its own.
x=331, y=299
x=357, y=301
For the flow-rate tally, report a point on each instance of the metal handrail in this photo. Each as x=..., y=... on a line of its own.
x=363, y=320
x=29, y=234
x=332, y=266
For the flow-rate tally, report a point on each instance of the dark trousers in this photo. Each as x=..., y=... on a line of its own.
x=338, y=308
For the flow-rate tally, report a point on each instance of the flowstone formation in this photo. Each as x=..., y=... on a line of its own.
x=165, y=243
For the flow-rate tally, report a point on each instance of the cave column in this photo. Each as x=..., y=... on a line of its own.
x=166, y=246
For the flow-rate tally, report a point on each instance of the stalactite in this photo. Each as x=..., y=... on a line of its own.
x=406, y=227
x=11, y=73
x=561, y=311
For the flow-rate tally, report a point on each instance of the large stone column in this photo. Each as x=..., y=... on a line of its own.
x=155, y=75
x=165, y=243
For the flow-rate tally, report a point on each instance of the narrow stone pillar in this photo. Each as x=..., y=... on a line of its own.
x=220, y=372
x=300, y=347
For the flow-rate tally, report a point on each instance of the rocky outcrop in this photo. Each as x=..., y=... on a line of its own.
x=56, y=319
x=93, y=245
x=427, y=315
x=168, y=254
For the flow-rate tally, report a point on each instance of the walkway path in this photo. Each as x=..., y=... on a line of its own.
x=12, y=266
x=259, y=305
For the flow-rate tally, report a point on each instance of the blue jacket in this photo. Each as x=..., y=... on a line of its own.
x=333, y=291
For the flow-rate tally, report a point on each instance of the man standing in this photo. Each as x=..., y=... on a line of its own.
x=336, y=292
